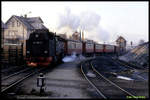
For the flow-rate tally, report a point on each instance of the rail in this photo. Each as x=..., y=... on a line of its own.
x=126, y=65
x=24, y=70
x=20, y=80
x=100, y=92
x=111, y=81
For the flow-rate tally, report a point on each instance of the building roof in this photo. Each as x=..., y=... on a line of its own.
x=120, y=37
x=30, y=22
x=63, y=36
x=3, y=25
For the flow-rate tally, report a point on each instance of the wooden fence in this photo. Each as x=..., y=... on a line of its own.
x=12, y=54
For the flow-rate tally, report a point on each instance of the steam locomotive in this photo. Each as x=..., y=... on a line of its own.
x=44, y=47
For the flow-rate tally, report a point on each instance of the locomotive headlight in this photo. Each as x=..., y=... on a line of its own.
x=45, y=51
x=36, y=35
x=28, y=51
x=37, y=42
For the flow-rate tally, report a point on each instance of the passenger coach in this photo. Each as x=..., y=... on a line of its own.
x=99, y=48
x=109, y=48
x=73, y=46
x=88, y=48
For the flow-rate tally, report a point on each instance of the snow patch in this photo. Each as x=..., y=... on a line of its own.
x=125, y=78
x=124, y=58
x=81, y=57
x=90, y=74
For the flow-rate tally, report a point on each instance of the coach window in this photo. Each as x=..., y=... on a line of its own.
x=75, y=45
x=89, y=46
x=78, y=45
x=70, y=45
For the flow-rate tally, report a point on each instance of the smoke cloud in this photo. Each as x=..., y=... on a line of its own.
x=68, y=20
x=102, y=34
x=88, y=21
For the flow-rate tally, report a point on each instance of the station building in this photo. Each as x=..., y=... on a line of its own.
x=19, y=29
x=121, y=43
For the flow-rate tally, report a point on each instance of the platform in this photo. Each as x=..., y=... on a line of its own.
x=64, y=81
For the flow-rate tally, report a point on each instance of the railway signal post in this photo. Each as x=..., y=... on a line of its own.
x=41, y=82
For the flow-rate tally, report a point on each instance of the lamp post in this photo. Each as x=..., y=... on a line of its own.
x=41, y=82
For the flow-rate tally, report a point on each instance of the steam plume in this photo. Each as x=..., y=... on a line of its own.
x=88, y=21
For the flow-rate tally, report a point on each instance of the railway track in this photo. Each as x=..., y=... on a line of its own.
x=7, y=69
x=15, y=79
x=104, y=87
x=11, y=69
x=17, y=73
x=127, y=66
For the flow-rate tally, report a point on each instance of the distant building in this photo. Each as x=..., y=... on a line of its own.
x=63, y=36
x=3, y=27
x=19, y=28
x=76, y=36
x=121, y=42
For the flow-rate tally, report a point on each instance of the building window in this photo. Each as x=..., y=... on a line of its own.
x=18, y=24
x=9, y=24
x=13, y=34
x=9, y=34
x=13, y=24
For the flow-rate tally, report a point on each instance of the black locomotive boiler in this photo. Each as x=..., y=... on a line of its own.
x=43, y=48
